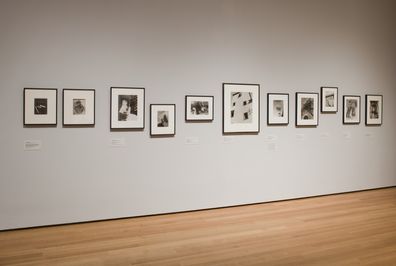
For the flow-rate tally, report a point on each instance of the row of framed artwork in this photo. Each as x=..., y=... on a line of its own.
x=241, y=108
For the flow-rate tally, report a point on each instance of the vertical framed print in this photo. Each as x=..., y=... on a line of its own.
x=199, y=108
x=329, y=99
x=40, y=107
x=374, y=108
x=162, y=119
x=241, y=108
x=351, y=109
x=277, y=109
x=78, y=107
x=307, y=109
x=127, y=108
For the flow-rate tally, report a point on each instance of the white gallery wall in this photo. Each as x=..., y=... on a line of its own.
x=175, y=48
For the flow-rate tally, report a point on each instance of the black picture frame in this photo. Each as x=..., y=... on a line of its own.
x=322, y=100
x=63, y=108
x=344, y=98
x=143, y=107
x=51, y=124
x=210, y=107
x=297, y=112
x=173, y=133
x=238, y=132
x=367, y=96
x=268, y=111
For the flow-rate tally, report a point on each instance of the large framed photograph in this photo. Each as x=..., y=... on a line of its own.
x=162, y=119
x=329, y=99
x=374, y=107
x=78, y=107
x=199, y=108
x=307, y=109
x=40, y=107
x=127, y=108
x=351, y=109
x=277, y=109
x=241, y=108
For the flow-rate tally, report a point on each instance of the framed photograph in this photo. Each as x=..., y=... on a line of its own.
x=127, y=108
x=162, y=119
x=351, y=109
x=374, y=107
x=199, y=108
x=307, y=109
x=241, y=108
x=277, y=109
x=40, y=107
x=78, y=107
x=329, y=99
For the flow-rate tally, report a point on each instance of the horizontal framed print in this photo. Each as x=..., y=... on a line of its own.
x=351, y=109
x=307, y=109
x=78, y=107
x=162, y=119
x=199, y=108
x=329, y=99
x=277, y=109
x=127, y=108
x=374, y=107
x=40, y=107
x=241, y=108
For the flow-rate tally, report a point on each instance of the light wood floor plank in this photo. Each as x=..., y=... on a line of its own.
x=346, y=229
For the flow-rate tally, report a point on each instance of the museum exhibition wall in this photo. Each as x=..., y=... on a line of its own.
x=181, y=105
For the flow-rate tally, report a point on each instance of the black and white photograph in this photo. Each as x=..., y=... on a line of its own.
x=127, y=108
x=162, y=119
x=78, y=107
x=277, y=109
x=199, y=108
x=351, y=109
x=329, y=101
x=241, y=108
x=307, y=112
x=40, y=107
x=374, y=107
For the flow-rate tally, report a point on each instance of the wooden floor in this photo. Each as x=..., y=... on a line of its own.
x=348, y=229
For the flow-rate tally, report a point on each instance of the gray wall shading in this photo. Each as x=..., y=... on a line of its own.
x=174, y=48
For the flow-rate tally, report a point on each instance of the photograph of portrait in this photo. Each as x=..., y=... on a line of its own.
x=277, y=108
x=199, y=108
x=374, y=107
x=241, y=108
x=40, y=107
x=307, y=113
x=127, y=108
x=351, y=109
x=329, y=101
x=78, y=107
x=162, y=119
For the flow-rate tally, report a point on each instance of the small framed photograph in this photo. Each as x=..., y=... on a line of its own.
x=127, y=108
x=374, y=107
x=40, y=107
x=199, y=108
x=78, y=107
x=162, y=119
x=329, y=99
x=307, y=109
x=277, y=109
x=351, y=109
x=241, y=108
